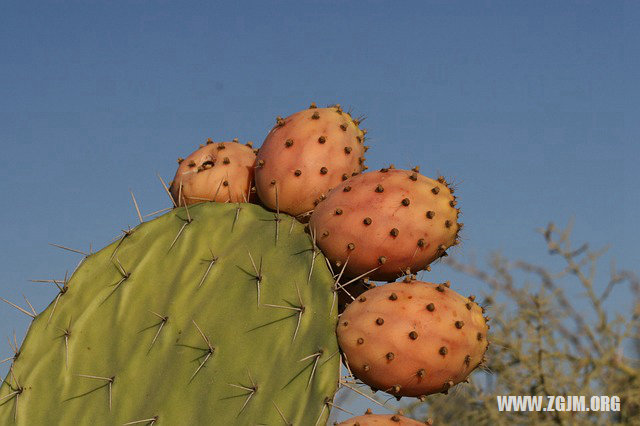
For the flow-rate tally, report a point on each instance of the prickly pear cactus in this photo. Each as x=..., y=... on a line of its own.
x=219, y=314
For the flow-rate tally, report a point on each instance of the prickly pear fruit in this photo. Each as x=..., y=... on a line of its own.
x=413, y=339
x=217, y=171
x=386, y=222
x=382, y=420
x=198, y=317
x=305, y=155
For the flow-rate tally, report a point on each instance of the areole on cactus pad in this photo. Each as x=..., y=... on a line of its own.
x=201, y=316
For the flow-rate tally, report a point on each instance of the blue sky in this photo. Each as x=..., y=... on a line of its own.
x=531, y=107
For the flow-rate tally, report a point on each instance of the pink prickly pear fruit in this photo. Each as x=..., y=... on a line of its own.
x=383, y=420
x=386, y=222
x=307, y=154
x=413, y=338
x=217, y=171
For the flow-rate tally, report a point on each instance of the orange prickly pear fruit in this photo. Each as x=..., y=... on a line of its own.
x=386, y=222
x=307, y=154
x=413, y=338
x=217, y=171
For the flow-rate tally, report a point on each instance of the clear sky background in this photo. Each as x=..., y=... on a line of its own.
x=531, y=107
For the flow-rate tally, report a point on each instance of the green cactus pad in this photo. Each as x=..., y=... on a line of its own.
x=164, y=327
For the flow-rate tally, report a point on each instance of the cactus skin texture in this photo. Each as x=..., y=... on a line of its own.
x=391, y=219
x=305, y=155
x=217, y=171
x=414, y=338
x=171, y=331
x=382, y=420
